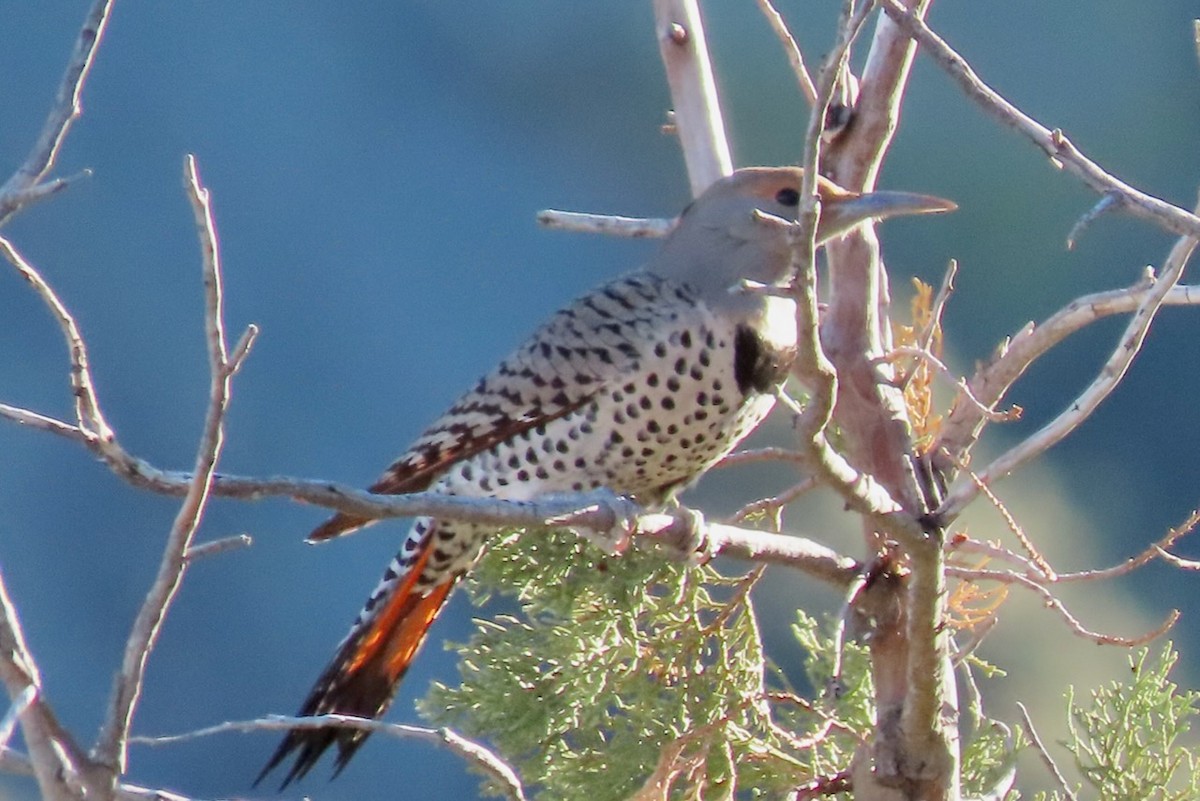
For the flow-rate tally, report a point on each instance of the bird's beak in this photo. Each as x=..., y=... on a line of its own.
x=842, y=214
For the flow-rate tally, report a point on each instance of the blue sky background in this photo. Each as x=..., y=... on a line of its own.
x=376, y=168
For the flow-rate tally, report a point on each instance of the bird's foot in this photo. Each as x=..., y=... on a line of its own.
x=605, y=519
x=682, y=530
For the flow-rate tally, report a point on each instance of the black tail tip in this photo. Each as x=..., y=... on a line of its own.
x=311, y=745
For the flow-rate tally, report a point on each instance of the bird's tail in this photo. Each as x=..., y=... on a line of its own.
x=363, y=676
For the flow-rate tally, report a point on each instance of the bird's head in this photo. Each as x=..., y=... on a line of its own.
x=721, y=238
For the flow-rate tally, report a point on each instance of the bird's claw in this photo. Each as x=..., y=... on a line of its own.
x=613, y=539
x=683, y=530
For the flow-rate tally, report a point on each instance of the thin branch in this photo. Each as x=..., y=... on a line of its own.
x=223, y=545
x=1110, y=375
x=18, y=764
x=1035, y=556
x=992, y=382
x=853, y=593
x=1157, y=550
x=1053, y=142
x=812, y=366
x=1046, y=758
x=32, y=419
x=698, y=120
x=479, y=756
x=24, y=186
x=773, y=505
x=111, y=747
x=753, y=456
x=611, y=224
x=12, y=717
x=54, y=755
x=995, y=551
x=795, y=57
x=925, y=355
x=689, y=535
x=91, y=422
x=931, y=329
x=1052, y=602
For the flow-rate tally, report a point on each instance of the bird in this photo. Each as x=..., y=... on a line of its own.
x=637, y=387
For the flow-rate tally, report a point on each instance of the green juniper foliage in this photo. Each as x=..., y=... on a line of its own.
x=1128, y=744
x=636, y=677
x=637, y=672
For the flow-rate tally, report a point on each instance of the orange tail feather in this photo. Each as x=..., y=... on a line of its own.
x=364, y=674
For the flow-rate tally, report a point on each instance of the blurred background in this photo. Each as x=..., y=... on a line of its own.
x=376, y=168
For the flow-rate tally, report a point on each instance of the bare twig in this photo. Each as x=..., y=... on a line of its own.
x=1035, y=556
x=56, y=759
x=853, y=593
x=1177, y=561
x=1053, y=142
x=936, y=311
x=1046, y=758
x=479, y=756
x=41, y=422
x=795, y=57
x=111, y=747
x=631, y=227
x=1052, y=602
x=1110, y=201
x=812, y=366
x=769, y=454
x=1156, y=550
x=1080, y=409
x=91, y=422
x=13, y=716
x=698, y=119
x=25, y=186
x=16, y=763
x=687, y=533
x=774, y=504
x=220, y=546
x=964, y=424
x=925, y=355
x=995, y=551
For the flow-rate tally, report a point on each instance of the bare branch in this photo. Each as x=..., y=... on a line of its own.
x=220, y=546
x=631, y=227
x=698, y=120
x=769, y=454
x=16, y=763
x=32, y=419
x=1046, y=758
x=479, y=756
x=774, y=504
x=965, y=489
x=91, y=422
x=1054, y=143
x=925, y=355
x=54, y=756
x=1157, y=550
x=812, y=366
x=964, y=424
x=111, y=747
x=25, y=187
x=795, y=57
x=1035, y=556
x=1052, y=602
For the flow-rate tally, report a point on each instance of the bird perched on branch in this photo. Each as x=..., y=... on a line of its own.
x=637, y=387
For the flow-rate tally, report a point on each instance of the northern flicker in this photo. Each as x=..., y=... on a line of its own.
x=637, y=387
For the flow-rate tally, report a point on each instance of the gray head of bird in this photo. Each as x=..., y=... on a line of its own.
x=722, y=240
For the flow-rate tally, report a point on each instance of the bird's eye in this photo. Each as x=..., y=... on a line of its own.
x=787, y=197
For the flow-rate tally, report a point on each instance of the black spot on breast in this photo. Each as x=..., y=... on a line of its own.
x=756, y=368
